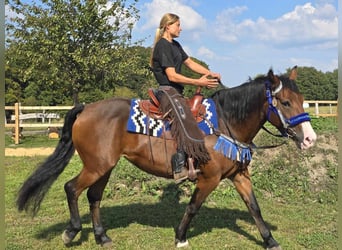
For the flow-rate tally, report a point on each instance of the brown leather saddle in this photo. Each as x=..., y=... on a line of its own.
x=151, y=106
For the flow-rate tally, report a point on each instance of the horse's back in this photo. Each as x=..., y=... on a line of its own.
x=96, y=127
x=107, y=108
x=102, y=112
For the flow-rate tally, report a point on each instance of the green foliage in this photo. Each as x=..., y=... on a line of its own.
x=124, y=92
x=58, y=49
x=327, y=124
x=93, y=96
x=316, y=85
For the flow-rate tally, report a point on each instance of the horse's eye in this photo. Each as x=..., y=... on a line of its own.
x=286, y=103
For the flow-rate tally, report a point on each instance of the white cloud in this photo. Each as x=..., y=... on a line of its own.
x=190, y=19
x=225, y=27
x=205, y=53
x=306, y=24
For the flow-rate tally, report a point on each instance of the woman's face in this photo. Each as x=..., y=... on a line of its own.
x=174, y=29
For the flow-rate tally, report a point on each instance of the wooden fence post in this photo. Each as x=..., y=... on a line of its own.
x=17, y=123
x=316, y=109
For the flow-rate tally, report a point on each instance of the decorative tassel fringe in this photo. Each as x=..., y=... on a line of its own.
x=233, y=150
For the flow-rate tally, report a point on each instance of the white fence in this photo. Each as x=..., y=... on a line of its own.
x=47, y=118
x=322, y=108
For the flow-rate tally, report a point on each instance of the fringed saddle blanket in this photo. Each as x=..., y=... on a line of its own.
x=137, y=121
x=233, y=150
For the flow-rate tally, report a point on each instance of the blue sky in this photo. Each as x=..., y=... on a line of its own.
x=240, y=39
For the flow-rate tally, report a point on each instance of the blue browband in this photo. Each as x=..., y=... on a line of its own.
x=287, y=123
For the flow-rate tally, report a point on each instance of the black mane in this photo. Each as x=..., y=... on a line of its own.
x=235, y=104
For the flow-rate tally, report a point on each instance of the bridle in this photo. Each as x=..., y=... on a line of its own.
x=288, y=124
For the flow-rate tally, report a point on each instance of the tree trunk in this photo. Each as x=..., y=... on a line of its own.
x=75, y=96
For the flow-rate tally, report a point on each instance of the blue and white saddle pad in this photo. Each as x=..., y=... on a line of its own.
x=137, y=121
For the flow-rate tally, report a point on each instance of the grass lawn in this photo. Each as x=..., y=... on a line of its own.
x=297, y=193
x=143, y=214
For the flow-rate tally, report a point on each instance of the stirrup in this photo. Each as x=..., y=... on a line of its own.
x=185, y=174
x=181, y=176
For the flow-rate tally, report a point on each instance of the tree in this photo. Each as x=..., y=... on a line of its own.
x=332, y=80
x=60, y=48
x=316, y=85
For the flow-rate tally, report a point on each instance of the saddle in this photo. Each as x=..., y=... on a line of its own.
x=151, y=106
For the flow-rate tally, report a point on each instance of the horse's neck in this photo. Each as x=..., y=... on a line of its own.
x=242, y=118
x=242, y=131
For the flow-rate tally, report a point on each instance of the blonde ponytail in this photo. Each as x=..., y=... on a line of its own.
x=166, y=20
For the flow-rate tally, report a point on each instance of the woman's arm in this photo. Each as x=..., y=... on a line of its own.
x=198, y=68
x=173, y=76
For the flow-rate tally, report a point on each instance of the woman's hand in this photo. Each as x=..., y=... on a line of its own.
x=204, y=81
x=215, y=75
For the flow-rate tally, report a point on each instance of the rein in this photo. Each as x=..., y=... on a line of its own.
x=287, y=123
x=253, y=146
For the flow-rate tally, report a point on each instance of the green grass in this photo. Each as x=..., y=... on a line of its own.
x=31, y=140
x=140, y=211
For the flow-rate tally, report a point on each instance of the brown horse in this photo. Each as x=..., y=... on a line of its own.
x=98, y=132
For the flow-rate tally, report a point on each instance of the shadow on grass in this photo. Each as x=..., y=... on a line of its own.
x=165, y=214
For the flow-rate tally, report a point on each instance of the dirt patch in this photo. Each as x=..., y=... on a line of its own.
x=28, y=151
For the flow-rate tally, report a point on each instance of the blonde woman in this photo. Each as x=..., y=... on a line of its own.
x=168, y=57
x=166, y=62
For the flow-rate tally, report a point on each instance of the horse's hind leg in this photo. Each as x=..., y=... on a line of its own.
x=94, y=195
x=73, y=189
x=243, y=185
x=75, y=224
x=203, y=188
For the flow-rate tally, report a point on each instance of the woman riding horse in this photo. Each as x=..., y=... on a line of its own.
x=98, y=132
x=166, y=62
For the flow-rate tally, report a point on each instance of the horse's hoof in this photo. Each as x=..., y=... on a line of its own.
x=182, y=244
x=65, y=237
x=103, y=240
x=69, y=235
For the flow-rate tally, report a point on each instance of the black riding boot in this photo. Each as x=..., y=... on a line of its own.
x=178, y=161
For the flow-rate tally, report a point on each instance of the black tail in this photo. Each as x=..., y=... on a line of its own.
x=32, y=192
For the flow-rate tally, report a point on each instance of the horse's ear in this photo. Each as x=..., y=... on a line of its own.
x=293, y=73
x=274, y=79
x=270, y=74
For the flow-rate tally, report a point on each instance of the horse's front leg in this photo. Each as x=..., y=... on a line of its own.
x=203, y=188
x=243, y=185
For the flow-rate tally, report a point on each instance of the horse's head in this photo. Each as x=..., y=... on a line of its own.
x=285, y=109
